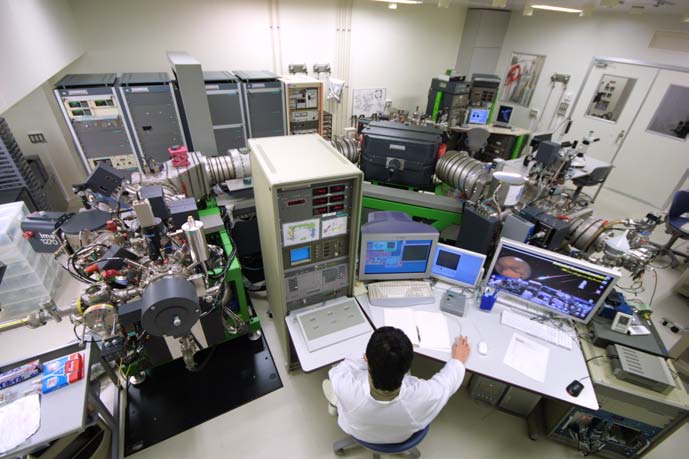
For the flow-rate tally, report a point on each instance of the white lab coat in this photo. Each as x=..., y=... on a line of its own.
x=374, y=421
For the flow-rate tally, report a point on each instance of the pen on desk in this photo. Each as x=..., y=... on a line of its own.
x=418, y=334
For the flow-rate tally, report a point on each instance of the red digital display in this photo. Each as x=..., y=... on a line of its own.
x=320, y=191
x=337, y=198
x=320, y=201
x=337, y=188
x=296, y=202
x=336, y=207
x=320, y=210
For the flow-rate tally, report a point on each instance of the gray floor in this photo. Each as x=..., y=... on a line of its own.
x=293, y=421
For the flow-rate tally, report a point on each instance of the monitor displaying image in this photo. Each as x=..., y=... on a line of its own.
x=504, y=115
x=551, y=281
x=397, y=256
x=478, y=116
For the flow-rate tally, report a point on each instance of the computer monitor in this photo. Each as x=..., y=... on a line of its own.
x=504, y=115
x=550, y=281
x=393, y=246
x=478, y=116
x=457, y=266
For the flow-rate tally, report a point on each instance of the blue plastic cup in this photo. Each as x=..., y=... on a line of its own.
x=487, y=302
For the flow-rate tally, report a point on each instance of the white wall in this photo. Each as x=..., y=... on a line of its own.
x=38, y=39
x=34, y=113
x=402, y=50
x=569, y=42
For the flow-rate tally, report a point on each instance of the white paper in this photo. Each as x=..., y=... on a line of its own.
x=639, y=330
x=18, y=421
x=403, y=318
x=294, y=233
x=430, y=327
x=433, y=330
x=334, y=227
x=528, y=357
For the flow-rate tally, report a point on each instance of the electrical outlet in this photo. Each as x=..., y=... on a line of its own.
x=534, y=112
x=36, y=137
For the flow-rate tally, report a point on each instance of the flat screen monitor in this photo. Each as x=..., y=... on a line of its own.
x=457, y=266
x=550, y=281
x=396, y=257
x=478, y=116
x=504, y=115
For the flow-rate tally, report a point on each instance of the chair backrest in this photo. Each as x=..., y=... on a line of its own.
x=680, y=204
x=476, y=139
x=595, y=177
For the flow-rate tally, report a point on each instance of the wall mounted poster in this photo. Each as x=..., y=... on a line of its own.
x=522, y=77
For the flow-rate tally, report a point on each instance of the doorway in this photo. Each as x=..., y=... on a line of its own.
x=640, y=112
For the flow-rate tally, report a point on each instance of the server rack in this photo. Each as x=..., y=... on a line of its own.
x=227, y=110
x=152, y=114
x=264, y=103
x=92, y=112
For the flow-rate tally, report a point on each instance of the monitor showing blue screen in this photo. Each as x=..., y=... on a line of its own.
x=457, y=266
x=478, y=116
x=397, y=256
x=300, y=255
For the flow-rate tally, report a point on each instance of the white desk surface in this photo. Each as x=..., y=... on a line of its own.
x=62, y=411
x=564, y=365
x=310, y=361
x=517, y=165
x=515, y=131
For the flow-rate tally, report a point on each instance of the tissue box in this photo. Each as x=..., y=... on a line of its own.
x=62, y=372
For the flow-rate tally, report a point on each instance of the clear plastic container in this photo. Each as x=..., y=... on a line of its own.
x=30, y=277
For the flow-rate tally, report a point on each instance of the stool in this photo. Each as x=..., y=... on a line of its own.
x=407, y=447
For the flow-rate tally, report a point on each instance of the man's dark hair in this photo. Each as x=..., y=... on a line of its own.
x=389, y=354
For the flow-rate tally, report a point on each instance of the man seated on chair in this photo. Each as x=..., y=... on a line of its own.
x=378, y=401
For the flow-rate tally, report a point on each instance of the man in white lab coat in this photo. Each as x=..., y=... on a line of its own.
x=378, y=401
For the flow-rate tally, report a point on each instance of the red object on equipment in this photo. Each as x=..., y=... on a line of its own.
x=111, y=226
x=179, y=155
x=28, y=234
x=108, y=273
x=91, y=269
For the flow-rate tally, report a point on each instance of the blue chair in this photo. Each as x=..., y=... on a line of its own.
x=407, y=447
x=675, y=224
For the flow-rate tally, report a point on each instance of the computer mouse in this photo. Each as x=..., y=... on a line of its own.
x=575, y=388
x=483, y=348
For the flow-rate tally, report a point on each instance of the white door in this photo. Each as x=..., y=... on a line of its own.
x=653, y=161
x=609, y=101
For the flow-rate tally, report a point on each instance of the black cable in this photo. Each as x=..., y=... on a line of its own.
x=203, y=364
x=85, y=340
x=597, y=357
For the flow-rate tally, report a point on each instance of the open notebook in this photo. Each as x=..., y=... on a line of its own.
x=424, y=329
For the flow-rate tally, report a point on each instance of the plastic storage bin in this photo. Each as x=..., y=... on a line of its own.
x=30, y=277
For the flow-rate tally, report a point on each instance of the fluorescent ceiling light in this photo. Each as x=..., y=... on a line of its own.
x=392, y=6
x=556, y=8
x=404, y=2
x=499, y=3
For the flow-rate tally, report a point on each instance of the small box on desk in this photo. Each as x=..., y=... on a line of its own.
x=62, y=372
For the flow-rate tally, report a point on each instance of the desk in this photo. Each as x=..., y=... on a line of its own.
x=563, y=365
x=517, y=165
x=64, y=411
x=310, y=361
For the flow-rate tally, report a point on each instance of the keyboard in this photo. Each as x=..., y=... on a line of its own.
x=531, y=327
x=400, y=293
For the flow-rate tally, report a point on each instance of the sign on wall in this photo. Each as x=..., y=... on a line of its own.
x=366, y=102
x=522, y=77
